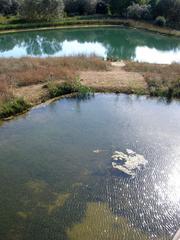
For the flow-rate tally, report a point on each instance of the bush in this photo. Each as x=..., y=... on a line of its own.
x=13, y=107
x=160, y=21
x=137, y=11
x=57, y=90
x=81, y=90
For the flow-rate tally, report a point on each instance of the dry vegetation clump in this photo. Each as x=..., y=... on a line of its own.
x=6, y=92
x=162, y=79
x=28, y=71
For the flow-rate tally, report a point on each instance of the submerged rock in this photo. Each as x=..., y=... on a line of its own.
x=128, y=163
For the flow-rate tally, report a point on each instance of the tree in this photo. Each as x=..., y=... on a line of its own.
x=42, y=9
x=102, y=7
x=80, y=7
x=137, y=11
x=51, y=8
x=119, y=6
x=164, y=7
x=8, y=7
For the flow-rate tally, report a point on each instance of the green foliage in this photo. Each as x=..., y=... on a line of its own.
x=42, y=9
x=56, y=89
x=160, y=21
x=164, y=88
x=102, y=8
x=9, y=7
x=81, y=90
x=170, y=9
x=137, y=11
x=120, y=6
x=13, y=107
x=46, y=10
x=80, y=7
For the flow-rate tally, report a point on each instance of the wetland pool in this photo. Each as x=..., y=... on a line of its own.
x=57, y=180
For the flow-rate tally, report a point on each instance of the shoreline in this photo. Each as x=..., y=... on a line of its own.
x=34, y=106
x=91, y=23
x=93, y=74
x=66, y=96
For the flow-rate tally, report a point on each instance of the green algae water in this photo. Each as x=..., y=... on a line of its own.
x=56, y=176
x=115, y=42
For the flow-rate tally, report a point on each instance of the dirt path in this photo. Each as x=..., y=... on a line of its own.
x=116, y=79
x=34, y=94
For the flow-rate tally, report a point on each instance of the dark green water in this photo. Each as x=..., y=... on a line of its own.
x=53, y=186
x=105, y=42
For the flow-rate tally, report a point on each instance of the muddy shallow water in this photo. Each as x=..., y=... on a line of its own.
x=56, y=175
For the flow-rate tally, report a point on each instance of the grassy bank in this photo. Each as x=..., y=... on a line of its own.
x=29, y=81
x=13, y=107
x=18, y=25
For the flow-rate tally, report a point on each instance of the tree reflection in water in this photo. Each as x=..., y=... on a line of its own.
x=105, y=42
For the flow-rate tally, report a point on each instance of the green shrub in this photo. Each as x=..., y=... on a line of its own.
x=13, y=107
x=160, y=21
x=164, y=88
x=81, y=90
x=56, y=89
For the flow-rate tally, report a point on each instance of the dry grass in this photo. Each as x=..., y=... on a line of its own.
x=22, y=80
x=162, y=70
x=6, y=93
x=28, y=71
x=115, y=80
x=24, y=72
x=162, y=80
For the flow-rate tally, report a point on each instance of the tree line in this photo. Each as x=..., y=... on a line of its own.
x=161, y=11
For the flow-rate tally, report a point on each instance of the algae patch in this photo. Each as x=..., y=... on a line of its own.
x=24, y=215
x=37, y=186
x=100, y=223
x=58, y=203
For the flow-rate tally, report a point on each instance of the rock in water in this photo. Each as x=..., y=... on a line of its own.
x=128, y=163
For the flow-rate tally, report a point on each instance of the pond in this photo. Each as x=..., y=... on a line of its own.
x=56, y=174
x=117, y=42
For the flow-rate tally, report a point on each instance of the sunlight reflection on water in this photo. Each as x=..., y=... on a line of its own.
x=169, y=188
